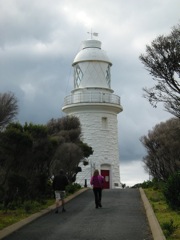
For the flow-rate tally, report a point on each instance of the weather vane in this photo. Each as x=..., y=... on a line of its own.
x=93, y=34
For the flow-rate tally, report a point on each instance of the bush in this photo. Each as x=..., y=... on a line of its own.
x=172, y=191
x=30, y=206
x=169, y=228
x=72, y=188
x=147, y=184
x=27, y=206
x=40, y=188
x=14, y=190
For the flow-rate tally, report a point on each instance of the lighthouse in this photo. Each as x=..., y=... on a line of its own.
x=93, y=101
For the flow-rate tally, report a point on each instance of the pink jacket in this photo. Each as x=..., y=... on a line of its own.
x=97, y=181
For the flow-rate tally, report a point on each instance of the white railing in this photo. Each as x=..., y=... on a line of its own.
x=92, y=98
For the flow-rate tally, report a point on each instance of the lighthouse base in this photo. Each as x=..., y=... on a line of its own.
x=83, y=178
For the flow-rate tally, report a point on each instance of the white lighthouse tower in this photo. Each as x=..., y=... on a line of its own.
x=93, y=102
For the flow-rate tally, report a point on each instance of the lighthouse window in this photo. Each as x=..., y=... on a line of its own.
x=104, y=122
x=78, y=75
x=108, y=76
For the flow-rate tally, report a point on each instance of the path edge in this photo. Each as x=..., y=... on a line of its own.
x=14, y=227
x=153, y=222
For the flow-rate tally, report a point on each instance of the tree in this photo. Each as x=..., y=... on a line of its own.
x=63, y=126
x=26, y=153
x=162, y=60
x=67, y=157
x=15, y=146
x=71, y=150
x=172, y=191
x=43, y=148
x=40, y=158
x=8, y=108
x=86, y=149
x=163, y=152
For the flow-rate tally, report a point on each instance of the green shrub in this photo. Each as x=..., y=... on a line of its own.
x=147, y=184
x=169, y=228
x=172, y=191
x=30, y=206
x=72, y=188
x=12, y=206
x=158, y=184
x=27, y=206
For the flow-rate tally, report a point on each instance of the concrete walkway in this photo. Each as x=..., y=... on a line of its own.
x=122, y=217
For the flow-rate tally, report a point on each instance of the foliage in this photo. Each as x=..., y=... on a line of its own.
x=163, y=152
x=67, y=157
x=30, y=153
x=172, y=191
x=145, y=184
x=63, y=126
x=26, y=153
x=162, y=60
x=30, y=205
x=8, y=108
x=70, y=150
x=164, y=214
x=86, y=149
x=169, y=228
x=17, y=212
x=71, y=188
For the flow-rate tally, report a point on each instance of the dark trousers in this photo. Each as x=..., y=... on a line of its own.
x=97, y=195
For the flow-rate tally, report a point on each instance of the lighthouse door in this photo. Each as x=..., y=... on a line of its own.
x=105, y=174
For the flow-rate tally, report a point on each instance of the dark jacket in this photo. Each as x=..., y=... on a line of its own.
x=60, y=182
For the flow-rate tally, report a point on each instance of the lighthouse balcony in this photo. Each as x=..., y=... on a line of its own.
x=92, y=98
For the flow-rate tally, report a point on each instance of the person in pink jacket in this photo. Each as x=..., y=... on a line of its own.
x=97, y=181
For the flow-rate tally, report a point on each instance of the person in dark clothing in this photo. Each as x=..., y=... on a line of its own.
x=59, y=184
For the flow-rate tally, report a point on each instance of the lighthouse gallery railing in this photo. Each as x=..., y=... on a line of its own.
x=92, y=98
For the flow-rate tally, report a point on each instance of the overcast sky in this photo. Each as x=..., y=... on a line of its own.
x=39, y=40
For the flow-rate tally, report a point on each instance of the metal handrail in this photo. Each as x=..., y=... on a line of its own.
x=92, y=97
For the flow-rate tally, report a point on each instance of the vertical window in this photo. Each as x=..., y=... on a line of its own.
x=78, y=75
x=108, y=76
x=104, y=122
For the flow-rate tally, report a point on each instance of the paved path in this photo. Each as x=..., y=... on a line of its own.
x=122, y=217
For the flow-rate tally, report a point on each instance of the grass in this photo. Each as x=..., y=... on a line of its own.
x=169, y=219
x=12, y=216
x=16, y=214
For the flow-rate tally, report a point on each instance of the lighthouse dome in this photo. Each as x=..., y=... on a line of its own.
x=92, y=66
x=91, y=51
